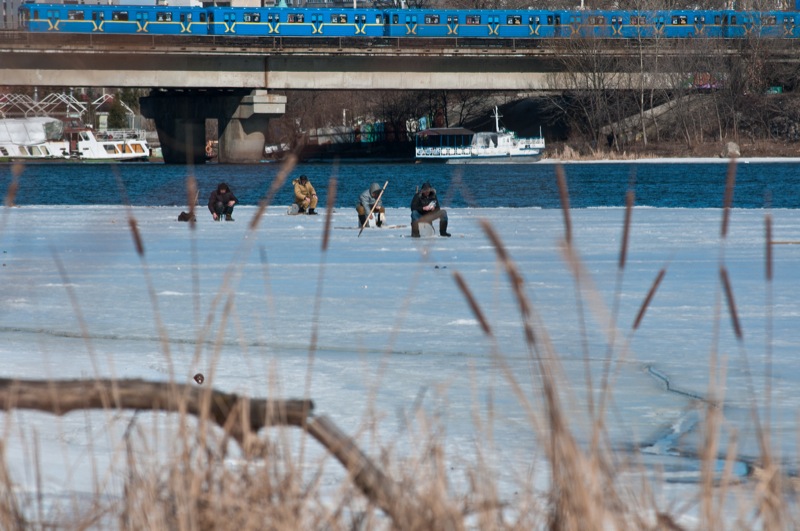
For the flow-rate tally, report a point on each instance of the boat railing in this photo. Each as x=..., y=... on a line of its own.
x=121, y=134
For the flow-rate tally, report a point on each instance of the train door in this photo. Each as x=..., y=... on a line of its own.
x=53, y=16
x=788, y=26
x=494, y=24
x=452, y=25
x=616, y=26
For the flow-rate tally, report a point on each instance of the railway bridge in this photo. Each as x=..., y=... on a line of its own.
x=231, y=78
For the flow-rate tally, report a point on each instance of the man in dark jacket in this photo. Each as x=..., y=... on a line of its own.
x=425, y=209
x=221, y=202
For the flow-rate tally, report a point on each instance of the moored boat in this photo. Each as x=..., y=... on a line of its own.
x=45, y=138
x=463, y=146
x=32, y=139
x=105, y=146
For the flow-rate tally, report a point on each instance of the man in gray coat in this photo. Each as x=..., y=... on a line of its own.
x=366, y=201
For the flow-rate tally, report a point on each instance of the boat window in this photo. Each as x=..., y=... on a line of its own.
x=3, y=151
x=128, y=148
x=84, y=136
x=163, y=16
x=75, y=15
x=119, y=15
x=138, y=148
x=35, y=151
x=473, y=20
x=432, y=19
x=110, y=148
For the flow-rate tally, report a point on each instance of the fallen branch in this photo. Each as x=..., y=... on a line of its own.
x=227, y=410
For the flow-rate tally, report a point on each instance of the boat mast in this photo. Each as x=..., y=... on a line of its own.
x=496, y=119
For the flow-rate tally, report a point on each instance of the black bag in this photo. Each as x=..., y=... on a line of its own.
x=183, y=216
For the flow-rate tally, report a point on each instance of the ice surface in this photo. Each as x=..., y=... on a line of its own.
x=394, y=332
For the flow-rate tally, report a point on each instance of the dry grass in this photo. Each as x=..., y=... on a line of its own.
x=261, y=483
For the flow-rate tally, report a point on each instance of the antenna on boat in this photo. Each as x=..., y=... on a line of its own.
x=496, y=119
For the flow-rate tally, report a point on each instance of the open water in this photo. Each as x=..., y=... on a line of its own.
x=773, y=184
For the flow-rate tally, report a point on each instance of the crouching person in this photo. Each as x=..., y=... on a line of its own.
x=305, y=197
x=221, y=202
x=367, y=200
x=425, y=209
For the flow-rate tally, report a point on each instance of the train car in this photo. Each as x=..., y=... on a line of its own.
x=408, y=23
x=296, y=22
x=118, y=19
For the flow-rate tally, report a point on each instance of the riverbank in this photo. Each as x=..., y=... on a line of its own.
x=760, y=149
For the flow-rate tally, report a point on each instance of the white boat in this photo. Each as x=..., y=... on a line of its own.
x=106, y=146
x=462, y=146
x=44, y=138
x=33, y=139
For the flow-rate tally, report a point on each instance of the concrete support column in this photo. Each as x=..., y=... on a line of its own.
x=243, y=123
x=242, y=115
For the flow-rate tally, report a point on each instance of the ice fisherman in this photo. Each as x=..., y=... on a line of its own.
x=305, y=197
x=425, y=209
x=366, y=201
x=221, y=202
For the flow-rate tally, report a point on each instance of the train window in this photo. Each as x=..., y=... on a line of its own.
x=549, y=20
x=771, y=20
x=183, y=17
x=163, y=16
x=97, y=15
x=270, y=19
x=531, y=20
x=395, y=19
x=52, y=14
x=733, y=19
x=514, y=20
x=295, y=18
x=74, y=15
x=251, y=17
x=431, y=19
x=336, y=19
x=378, y=19
x=119, y=15
x=202, y=17
x=679, y=20
x=142, y=16
x=473, y=20
x=717, y=20
x=558, y=20
x=452, y=19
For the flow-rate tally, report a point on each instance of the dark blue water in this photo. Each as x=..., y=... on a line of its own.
x=689, y=185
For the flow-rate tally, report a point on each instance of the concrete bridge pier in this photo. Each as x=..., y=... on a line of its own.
x=242, y=124
x=242, y=117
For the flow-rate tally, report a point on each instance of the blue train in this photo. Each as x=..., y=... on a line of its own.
x=406, y=23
